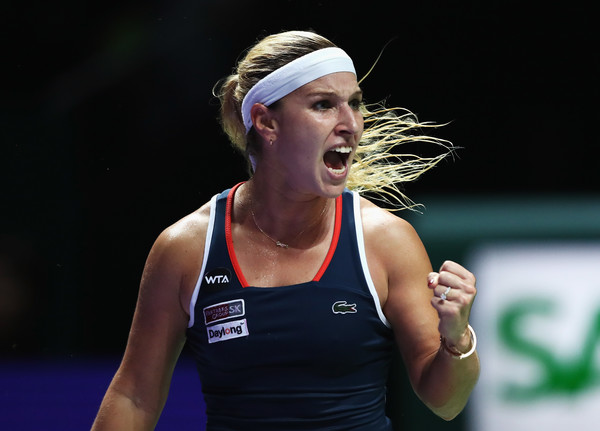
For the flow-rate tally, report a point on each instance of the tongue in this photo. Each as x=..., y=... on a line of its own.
x=333, y=160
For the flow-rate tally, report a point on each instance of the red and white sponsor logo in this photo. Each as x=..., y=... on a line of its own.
x=223, y=310
x=227, y=331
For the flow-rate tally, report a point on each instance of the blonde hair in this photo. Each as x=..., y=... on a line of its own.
x=379, y=169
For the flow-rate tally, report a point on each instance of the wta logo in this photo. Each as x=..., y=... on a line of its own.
x=218, y=276
x=227, y=331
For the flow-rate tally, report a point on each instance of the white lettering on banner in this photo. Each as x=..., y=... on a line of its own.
x=227, y=331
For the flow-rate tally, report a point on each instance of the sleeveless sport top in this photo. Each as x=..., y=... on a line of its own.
x=310, y=356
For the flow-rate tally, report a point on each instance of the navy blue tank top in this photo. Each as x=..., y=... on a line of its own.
x=311, y=356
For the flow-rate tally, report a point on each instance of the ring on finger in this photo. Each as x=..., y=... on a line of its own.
x=444, y=295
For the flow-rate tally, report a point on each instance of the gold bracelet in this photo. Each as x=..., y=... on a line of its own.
x=455, y=353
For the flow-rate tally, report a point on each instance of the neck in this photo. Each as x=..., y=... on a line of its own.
x=285, y=219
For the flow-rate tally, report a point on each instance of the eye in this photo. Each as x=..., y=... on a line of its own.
x=322, y=105
x=356, y=104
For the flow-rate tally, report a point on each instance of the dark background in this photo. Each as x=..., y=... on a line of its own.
x=109, y=131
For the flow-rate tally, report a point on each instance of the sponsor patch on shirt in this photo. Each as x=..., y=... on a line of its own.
x=342, y=307
x=224, y=310
x=227, y=331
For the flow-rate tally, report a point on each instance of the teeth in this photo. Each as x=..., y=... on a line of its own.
x=344, y=150
x=338, y=171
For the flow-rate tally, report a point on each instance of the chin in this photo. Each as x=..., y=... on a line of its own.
x=334, y=190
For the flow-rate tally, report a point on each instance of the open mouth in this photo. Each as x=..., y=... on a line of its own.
x=336, y=160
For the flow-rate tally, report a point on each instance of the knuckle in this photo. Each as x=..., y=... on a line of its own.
x=463, y=300
x=445, y=265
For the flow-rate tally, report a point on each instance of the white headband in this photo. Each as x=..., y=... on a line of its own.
x=293, y=75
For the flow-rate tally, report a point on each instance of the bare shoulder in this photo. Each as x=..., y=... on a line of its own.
x=187, y=231
x=178, y=252
x=397, y=259
x=384, y=229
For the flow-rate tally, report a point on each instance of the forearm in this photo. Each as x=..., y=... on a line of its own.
x=121, y=412
x=447, y=382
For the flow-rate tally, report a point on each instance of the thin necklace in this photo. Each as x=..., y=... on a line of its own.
x=276, y=241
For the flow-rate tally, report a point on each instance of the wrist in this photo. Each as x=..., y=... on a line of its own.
x=464, y=348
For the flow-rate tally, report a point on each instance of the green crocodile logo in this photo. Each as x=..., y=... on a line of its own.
x=342, y=307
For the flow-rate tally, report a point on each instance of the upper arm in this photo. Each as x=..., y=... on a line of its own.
x=402, y=265
x=160, y=320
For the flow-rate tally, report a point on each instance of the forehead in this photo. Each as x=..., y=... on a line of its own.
x=341, y=83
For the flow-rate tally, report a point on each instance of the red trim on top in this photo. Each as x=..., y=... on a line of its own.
x=229, y=237
x=334, y=241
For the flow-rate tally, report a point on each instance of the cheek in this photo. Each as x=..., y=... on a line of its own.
x=361, y=124
x=309, y=138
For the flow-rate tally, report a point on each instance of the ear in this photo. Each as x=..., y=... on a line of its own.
x=264, y=121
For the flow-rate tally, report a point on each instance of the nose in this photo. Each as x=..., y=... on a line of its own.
x=350, y=120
